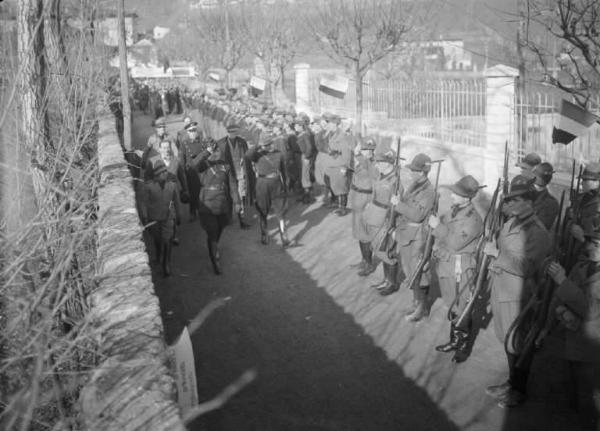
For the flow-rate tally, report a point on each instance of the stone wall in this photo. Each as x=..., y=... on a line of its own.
x=132, y=387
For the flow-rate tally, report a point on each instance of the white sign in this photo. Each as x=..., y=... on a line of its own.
x=185, y=372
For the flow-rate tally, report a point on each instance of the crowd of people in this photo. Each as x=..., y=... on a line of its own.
x=538, y=265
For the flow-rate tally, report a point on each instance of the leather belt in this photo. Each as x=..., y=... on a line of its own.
x=215, y=188
x=379, y=204
x=273, y=175
x=356, y=189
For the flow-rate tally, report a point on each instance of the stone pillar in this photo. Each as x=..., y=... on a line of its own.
x=302, y=87
x=500, y=112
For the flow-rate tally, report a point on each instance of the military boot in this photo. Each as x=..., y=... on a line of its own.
x=215, y=257
x=413, y=304
x=264, y=237
x=166, y=259
x=363, y=261
x=422, y=309
x=342, y=209
x=243, y=224
x=370, y=265
x=391, y=282
x=461, y=346
x=450, y=345
x=285, y=242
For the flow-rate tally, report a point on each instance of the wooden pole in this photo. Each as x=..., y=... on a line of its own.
x=124, y=76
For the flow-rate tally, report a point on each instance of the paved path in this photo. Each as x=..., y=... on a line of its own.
x=331, y=354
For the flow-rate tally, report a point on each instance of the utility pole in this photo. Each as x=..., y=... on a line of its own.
x=521, y=84
x=124, y=75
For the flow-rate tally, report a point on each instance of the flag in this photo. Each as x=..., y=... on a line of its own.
x=335, y=86
x=258, y=83
x=573, y=122
x=214, y=76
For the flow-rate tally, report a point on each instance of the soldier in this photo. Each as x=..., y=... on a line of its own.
x=529, y=162
x=151, y=150
x=306, y=143
x=517, y=257
x=293, y=156
x=456, y=234
x=578, y=309
x=218, y=196
x=365, y=173
x=545, y=205
x=376, y=218
x=323, y=159
x=191, y=143
x=337, y=168
x=233, y=148
x=412, y=209
x=588, y=205
x=159, y=205
x=270, y=186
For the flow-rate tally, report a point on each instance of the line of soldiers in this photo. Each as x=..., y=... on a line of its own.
x=536, y=264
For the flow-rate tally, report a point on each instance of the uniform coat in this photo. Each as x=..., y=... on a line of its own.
x=546, y=208
x=365, y=174
x=455, y=246
x=160, y=203
x=306, y=144
x=323, y=159
x=523, y=246
x=339, y=164
x=415, y=206
x=270, y=180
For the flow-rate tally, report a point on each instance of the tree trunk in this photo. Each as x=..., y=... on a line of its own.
x=124, y=77
x=359, y=101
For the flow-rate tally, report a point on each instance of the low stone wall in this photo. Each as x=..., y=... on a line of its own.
x=132, y=387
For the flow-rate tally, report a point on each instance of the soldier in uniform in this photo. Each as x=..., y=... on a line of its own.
x=306, y=143
x=545, y=205
x=151, y=151
x=456, y=234
x=338, y=166
x=323, y=159
x=218, y=196
x=529, y=162
x=578, y=309
x=191, y=143
x=271, y=193
x=159, y=205
x=588, y=206
x=233, y=148
x=412, y=210
x=517, y=259
x=365, y=173
x=375, y=215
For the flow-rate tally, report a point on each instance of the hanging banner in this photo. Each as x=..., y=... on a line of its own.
x=573, y=122
x=257, y=83
x=214, y=76
x=334, y=85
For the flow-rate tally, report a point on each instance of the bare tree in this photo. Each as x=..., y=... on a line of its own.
x=275, y=38
x=569, y=51
x=359, y=33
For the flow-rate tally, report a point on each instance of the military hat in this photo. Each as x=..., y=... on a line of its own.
x=326, y=116
x=186, y=120
x=543, y=173
x=520, y=185
x=591, y=171
x=387, y=157
x=233, y=127
x=191, y=126
x=160, y=122
x=158, y=168
x=466, y=187
x=316, y=119
x=420, y=163
x=368, y=143
x=265, y=139
x=336, y=119
x=530, y=161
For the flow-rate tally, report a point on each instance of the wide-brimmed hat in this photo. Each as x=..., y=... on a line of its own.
x=233, y=128
x=160, y=122
x=530, y=161
x=520, y=185
x=368, y=143
x=420, y=163
x=466, y=187
x=591, y=171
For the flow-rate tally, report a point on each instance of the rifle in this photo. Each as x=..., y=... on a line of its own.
x=388, y=243
x=567, y=259
x=425, y=257
x=540, y=303
x=494, y=220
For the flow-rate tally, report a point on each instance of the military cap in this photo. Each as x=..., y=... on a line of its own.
x=326, y=116
x=193, y=125
x=233, y=127
x=530, y=161
x=160, y=122
x=543, y=173
x=420, y=163
x=520, y=185
x=591, y=171
x=466, y=187
x=159, y=167
x=336, y=119
x=368, y=144
x=387, y=157
x=265, y=139
x=186, y=120
x=316, y=119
